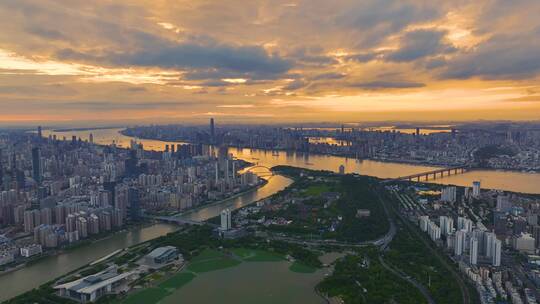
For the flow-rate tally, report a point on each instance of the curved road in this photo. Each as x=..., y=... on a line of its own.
x=464, y=289
x=407, y=278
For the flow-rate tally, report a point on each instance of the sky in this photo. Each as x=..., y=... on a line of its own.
x=112, y=61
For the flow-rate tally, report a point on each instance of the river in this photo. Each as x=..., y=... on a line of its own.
x=490, y=179
x=26, y=278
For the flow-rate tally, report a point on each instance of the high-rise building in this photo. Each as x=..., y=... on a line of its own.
x=111, y=188
x=1, y=171
x=490, y=240
x=459, y=242
x=134, y=204
x=447, y=225
x=212, y=131
x=449, y=194
x=476, y=189
x=39, y=134
x=36, y=165
x=503, y=203
x=91, y=138
x=226, y=219
x=473, y=251
x=524, y=243
x=497, y=248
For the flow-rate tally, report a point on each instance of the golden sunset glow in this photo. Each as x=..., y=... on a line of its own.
x=268, y=61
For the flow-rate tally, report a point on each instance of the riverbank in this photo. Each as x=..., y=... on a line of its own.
x=508, y=180
x=70, y=247
x=342, y=155
x=205, y=257
x=216, y=203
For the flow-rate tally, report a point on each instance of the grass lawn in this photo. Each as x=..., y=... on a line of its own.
x=177, y=280
x=316, y=190
x=155, y=276
x=301, y=268
x=255, y=255
x=213, y=264
x=150, y=295
x=207, y=254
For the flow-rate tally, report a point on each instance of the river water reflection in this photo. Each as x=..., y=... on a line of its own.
x=503, y=180
x=24, y=279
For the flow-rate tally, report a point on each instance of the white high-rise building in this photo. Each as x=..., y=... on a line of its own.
x=226, y=219
x=449, y=195
x=473, y=251
x=490, y=240
x=503, y=203
x=464, y=224
x=497, y=248
x=423, y=222
x=459, y=242
x=476, y=189
x=434, y=231
x=524, y=243
x=447, y=225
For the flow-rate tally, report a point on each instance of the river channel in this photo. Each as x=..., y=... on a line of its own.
x=32, y=276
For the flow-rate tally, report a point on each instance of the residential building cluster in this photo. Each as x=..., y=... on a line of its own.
x=57, y=191
x=492, y=236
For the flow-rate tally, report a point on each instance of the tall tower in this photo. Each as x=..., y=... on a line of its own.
x=226, y=219
x=496, y=259
x=1, y=171
x=36, y=165
x=476, y=189
x=134, y=204
x=39, y=134
x=473, y=250
x=212, y=131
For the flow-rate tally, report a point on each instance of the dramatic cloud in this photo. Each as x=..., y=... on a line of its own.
x=241, y=60
x=419, y=44
x=291, y=60
x=501, y=57
x=377, y=85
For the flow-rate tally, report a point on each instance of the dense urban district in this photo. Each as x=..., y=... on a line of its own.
x=371, y=240
x=513, y=146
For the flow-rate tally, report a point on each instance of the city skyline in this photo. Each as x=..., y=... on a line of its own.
x=79, y=63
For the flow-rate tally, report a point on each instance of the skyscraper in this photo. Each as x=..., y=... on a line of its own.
x=39, y=134
x=459, y=242
x=476, y=189
x=497, y=247
x=1, y=171
x=36, y=165
x=226, y=219
x=111, y=187
x=473, y=251
x=134, y=204
x=212, y=131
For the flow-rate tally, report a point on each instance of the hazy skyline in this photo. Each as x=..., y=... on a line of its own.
x=268, y=61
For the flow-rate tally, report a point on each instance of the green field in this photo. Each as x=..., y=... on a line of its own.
x=177, y=281
x=211, y=265
x=316, y=190
x=256, y=255
x=150, y=295
x=207, y=254
x=301, y=268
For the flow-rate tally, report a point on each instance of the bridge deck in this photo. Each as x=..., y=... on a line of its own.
x=433, y=172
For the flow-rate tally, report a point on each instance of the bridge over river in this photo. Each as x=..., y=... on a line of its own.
x=434, y=174
x=178, y=220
